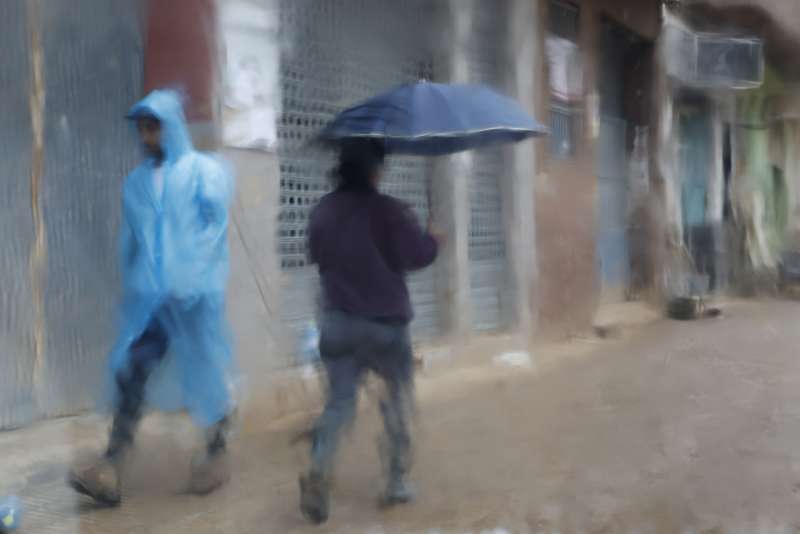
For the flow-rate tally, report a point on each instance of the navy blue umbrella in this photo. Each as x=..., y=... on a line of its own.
x=430, y=119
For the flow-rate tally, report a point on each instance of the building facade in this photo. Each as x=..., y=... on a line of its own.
x=593, y=223
x=727, y=144
x=260, y=78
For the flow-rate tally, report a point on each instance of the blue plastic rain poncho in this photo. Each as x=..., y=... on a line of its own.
x=174, y=261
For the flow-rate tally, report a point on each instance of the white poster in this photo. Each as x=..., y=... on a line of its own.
x=251, y=75
x=566, y=76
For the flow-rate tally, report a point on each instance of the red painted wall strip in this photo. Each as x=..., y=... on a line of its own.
x=181, y=51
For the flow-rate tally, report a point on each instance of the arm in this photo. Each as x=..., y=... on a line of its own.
x=127, y=245
x=312, y=243
x=410, y=246
x=215, y=188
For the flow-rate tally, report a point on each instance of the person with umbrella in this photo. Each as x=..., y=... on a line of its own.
x=364, y=243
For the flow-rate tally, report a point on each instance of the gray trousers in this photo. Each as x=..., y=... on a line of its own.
x=351, y=347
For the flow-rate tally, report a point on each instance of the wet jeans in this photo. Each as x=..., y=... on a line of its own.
x=146, y=353
x=351, y=347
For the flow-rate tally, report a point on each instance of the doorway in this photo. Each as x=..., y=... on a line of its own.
x=624, y=69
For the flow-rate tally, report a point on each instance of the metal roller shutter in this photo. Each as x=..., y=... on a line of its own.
x=83, y=126
x=487, y=248
x=335, y=53
x=91, y=54
x=17, y=400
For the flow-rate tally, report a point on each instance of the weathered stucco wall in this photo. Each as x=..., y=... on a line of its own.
x=568, y=288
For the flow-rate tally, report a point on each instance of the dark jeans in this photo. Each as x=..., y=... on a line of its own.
x=350, y=347
x=146, y=353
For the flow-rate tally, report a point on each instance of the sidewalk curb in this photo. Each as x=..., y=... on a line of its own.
x=284, y=401
x=615, y=320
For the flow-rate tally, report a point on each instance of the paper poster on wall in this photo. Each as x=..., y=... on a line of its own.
x=566, y=76
x=251, y=77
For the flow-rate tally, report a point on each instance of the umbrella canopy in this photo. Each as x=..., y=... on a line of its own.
x=428, y=118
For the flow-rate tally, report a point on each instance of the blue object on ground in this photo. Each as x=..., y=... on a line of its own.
x=10, y=512
x=431, y=119
x=309, y=348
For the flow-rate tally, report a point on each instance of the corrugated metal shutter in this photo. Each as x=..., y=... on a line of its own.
x=17, y=404
x=487, y=248
x=335, y=53
x=93, y=58
x=92, y=62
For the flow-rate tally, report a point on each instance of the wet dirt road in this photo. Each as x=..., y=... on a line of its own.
x=684, y=427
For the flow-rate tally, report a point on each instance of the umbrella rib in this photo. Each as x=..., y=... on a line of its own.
x=533, y=131
x=409, y=120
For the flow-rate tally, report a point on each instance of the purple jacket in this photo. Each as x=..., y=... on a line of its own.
x=364, y=243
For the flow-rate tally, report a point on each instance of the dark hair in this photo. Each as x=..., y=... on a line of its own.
x=359, y=159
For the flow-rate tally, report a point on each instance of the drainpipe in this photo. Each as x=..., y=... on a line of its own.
x=37, y=261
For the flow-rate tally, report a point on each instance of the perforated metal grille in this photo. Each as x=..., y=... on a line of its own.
x=336, y=53
x=486, y=233
x=487, y=251
x=564, y=19
x=566, y=124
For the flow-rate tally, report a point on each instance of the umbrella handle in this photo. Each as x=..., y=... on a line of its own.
x=429, y=196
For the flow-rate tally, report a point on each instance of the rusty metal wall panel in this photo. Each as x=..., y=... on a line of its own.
x=17, y=404
x=93, y=72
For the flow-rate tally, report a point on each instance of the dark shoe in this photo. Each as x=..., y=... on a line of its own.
x=209, y=473
x=100, y=481
x=314, y=498
x=398, y=492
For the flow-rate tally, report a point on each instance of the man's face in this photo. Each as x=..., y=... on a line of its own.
x=150, y=133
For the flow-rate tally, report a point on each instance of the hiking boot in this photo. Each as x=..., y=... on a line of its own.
x=314, y=498
x=398, y=491
x=209, y=473
x=100, y=481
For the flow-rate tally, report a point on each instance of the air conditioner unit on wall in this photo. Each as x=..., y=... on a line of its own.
x=733, y=62
x=712, y=61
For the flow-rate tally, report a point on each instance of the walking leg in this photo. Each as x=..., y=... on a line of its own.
x=101, y=479
x=201, y=331
x=396, y=448
x=343, y=378
x=211, y=469
x=397, y=408
x=145, y=354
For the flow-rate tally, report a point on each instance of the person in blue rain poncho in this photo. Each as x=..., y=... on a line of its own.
x=172, y=351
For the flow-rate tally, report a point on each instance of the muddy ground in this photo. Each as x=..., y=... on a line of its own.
x=679, y=428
